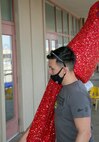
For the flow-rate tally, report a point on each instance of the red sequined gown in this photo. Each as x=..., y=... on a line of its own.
x=86, y=48
x=42, y=128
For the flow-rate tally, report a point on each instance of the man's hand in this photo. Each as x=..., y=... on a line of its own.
x=24, y=136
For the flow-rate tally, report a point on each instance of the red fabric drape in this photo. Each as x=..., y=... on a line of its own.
x=42, y=128
x=86, y=48
x=86, y=45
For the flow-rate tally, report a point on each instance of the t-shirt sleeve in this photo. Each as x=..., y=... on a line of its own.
x=80, y=105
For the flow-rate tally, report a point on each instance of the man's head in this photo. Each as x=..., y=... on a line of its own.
x=61, y=59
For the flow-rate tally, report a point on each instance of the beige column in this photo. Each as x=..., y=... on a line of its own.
x=24, y=63
x=38, y=49
x=2, y=95
x=30, y=57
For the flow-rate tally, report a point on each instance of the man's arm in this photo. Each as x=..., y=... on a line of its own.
x=24, y=135
x=83, y=126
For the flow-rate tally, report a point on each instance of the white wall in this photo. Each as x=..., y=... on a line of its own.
x=30, y=58
x=24, y=62
x=37, y=31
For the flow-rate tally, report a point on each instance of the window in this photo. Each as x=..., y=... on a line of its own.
x=8, y=75
x=59, y=20
x=6, y=10
x=60, y=41
x=65, y=23
x=50, y=17
x=71, y=25
x=66, y=40
x=61, y=27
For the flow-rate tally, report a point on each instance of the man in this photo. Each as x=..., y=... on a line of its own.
x=72, y=108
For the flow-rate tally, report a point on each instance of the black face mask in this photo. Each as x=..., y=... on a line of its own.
x=57, y=78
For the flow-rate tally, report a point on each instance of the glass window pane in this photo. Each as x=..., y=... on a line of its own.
x=71, y=25
x=53, y=45
x=75, y=25
x=50, y=17
x=59, y=20
x=6, y=10
x=8, y=76
x=78, y=25
x=60, y=41
x=66, y=40
x=65, y=22
x=47, y=47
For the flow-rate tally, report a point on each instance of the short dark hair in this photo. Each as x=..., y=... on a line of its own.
x=63, y=55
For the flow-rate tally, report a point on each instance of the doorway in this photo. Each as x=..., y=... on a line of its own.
x=10, y=78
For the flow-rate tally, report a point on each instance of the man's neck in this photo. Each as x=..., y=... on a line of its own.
x=69, y=78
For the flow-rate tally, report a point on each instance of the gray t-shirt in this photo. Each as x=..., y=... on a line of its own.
x=72, y=102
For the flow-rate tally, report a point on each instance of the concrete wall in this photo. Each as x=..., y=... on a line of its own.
x=30, y=58
x=38, y=50
x=24, y=62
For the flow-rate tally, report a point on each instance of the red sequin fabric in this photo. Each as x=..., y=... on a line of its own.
x=86, y=48
x=42, y=128
x=86, y=45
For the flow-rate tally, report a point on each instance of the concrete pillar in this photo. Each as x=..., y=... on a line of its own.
x=38, y=49
x=24, y=63
x=30, y=57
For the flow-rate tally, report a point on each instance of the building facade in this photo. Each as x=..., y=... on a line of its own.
x=29, y=30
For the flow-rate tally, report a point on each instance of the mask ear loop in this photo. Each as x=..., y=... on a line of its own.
x=64, y=73
x=60, y=70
